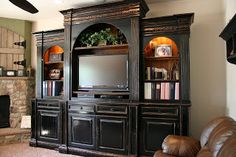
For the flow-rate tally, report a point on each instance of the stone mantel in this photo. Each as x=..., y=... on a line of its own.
x=21, y=90
x=17, y=78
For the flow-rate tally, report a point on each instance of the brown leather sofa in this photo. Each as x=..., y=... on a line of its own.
x=218, y=139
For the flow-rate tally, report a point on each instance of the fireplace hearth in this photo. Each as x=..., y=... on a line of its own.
x=4, y=111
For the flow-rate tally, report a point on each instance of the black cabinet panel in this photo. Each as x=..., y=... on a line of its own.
x=81, y=131
x=112, y=134
x=153, y=133
x=48, y=124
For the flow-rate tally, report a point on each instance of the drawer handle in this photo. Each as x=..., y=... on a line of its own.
x=112, y=109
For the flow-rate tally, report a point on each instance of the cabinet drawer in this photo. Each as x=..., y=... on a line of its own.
x=81, y=108
x=48, y=105
x=169, y=111
x=111, y=109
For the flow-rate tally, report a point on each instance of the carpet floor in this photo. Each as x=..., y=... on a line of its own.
x=24, y=150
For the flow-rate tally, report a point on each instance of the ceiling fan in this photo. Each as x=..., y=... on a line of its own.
x=25, y=5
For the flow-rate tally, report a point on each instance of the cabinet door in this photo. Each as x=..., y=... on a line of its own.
x=153, y=132
x=49, y=125
x=81, y=130
x=112, y=134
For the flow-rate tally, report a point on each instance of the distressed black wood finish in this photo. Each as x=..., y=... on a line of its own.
x=33, y=139
x=229, y=35
x=47, y=130
x=123, y=15
x=126, y=17
x=48, y=116
x=177, y=28
x=110, y=11
x=112, y=127
x=160, y=118
x=81, y=122
x=45, y=40
x=176, y=24
x=156, y=122
x=101, y=128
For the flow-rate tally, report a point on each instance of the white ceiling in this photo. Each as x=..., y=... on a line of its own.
x=47, y=8
x=50, y=8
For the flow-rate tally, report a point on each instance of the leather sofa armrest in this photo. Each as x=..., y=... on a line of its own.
x=159, y=153
x=181, y=146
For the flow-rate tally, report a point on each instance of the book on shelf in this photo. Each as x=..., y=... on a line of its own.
x=162, y=97
x=147, y=90
x=148, y=73
x=177, y=91
x=52, y=88
x=161, y=90
x=49, y=88
x=172, y=91
x=45, y=87
x=158, y=91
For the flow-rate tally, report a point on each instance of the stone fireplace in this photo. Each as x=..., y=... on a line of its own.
x=20, y=91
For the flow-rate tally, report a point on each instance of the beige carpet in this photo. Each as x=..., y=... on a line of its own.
x=24, y=150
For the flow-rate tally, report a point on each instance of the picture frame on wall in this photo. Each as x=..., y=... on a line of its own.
x=163, y=50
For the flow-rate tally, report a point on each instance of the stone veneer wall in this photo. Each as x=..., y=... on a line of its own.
x=21, y=91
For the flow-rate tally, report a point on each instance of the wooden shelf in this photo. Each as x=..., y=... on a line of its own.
x=54, y=80
x=159, y=101
x=102, y=50
x=102, y=47
x=174, y=58
x=54, y=62
x=101, y=93
x=159, y=80
x=16, y=78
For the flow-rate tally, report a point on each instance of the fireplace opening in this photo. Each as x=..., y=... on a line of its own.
x=4, y=111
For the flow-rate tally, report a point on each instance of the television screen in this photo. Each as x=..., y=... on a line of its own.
x=103, y=72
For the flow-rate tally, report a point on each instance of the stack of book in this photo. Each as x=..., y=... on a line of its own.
x=161, y=90
x=52, y=88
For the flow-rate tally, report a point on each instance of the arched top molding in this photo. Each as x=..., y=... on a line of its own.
x=110, y=11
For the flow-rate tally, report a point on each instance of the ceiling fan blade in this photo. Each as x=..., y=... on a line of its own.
x=25, y=5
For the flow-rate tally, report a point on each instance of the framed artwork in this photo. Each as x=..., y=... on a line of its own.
x=163, y=50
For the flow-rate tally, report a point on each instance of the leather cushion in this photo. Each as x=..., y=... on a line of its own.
x=159, y=153
x=219, y=135
x=210, y=127
x=180, y=146
x=229, y=148
x=204, y=152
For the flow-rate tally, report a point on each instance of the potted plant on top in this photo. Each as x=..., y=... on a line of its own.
x=101, y=38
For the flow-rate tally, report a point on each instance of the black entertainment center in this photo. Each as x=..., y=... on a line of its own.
x=119, y=96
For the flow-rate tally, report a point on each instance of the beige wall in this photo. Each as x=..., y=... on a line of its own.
x=208, y=76
x=230, y=7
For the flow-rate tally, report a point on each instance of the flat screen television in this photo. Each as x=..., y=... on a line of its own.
x=105, y=73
